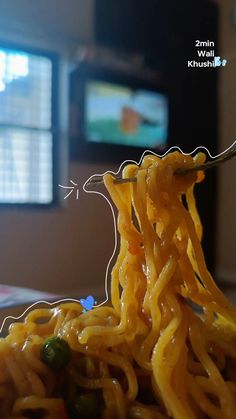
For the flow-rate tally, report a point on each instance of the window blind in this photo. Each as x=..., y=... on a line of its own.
x=26, y=160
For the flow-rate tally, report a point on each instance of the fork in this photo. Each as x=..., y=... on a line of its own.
x=227, y=155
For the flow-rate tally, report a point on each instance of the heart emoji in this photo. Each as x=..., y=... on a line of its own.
x=87, y=303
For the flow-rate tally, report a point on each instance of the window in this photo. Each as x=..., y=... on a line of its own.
x=26, y=135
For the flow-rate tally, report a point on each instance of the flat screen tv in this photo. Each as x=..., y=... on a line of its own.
x=121, y=115
x=116, y=116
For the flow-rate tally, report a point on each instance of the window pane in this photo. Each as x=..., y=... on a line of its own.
x=25, y=166
x=25, y=89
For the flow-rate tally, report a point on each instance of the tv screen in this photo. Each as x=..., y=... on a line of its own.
x=119, y=114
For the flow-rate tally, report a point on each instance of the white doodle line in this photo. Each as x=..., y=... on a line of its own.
x=114, y=222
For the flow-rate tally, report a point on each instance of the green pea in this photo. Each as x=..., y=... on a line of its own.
x=55, y=353
x=85, y=406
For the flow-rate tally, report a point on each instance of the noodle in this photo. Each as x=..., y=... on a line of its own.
x=150, y=355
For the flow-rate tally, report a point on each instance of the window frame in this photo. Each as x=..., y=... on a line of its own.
x=54, y=130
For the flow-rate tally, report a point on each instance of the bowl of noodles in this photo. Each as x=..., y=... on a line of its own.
x=147, y=354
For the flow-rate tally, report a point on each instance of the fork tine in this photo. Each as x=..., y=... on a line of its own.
x=96, y=180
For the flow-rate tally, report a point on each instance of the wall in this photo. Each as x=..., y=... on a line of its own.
x=64, y=22
x=62, y=250
x=226, y=244
x=65, y=249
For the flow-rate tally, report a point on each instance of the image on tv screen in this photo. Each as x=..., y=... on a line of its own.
x=121, y=115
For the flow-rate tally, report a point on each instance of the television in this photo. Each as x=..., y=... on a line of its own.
x=122, y=115
x=114, y=116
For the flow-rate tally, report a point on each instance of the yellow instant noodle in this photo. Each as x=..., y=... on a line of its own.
x=151, y=339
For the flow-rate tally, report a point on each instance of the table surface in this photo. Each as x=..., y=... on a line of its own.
x=11, y=296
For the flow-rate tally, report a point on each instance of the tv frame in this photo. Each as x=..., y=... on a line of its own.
x=81, y=149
